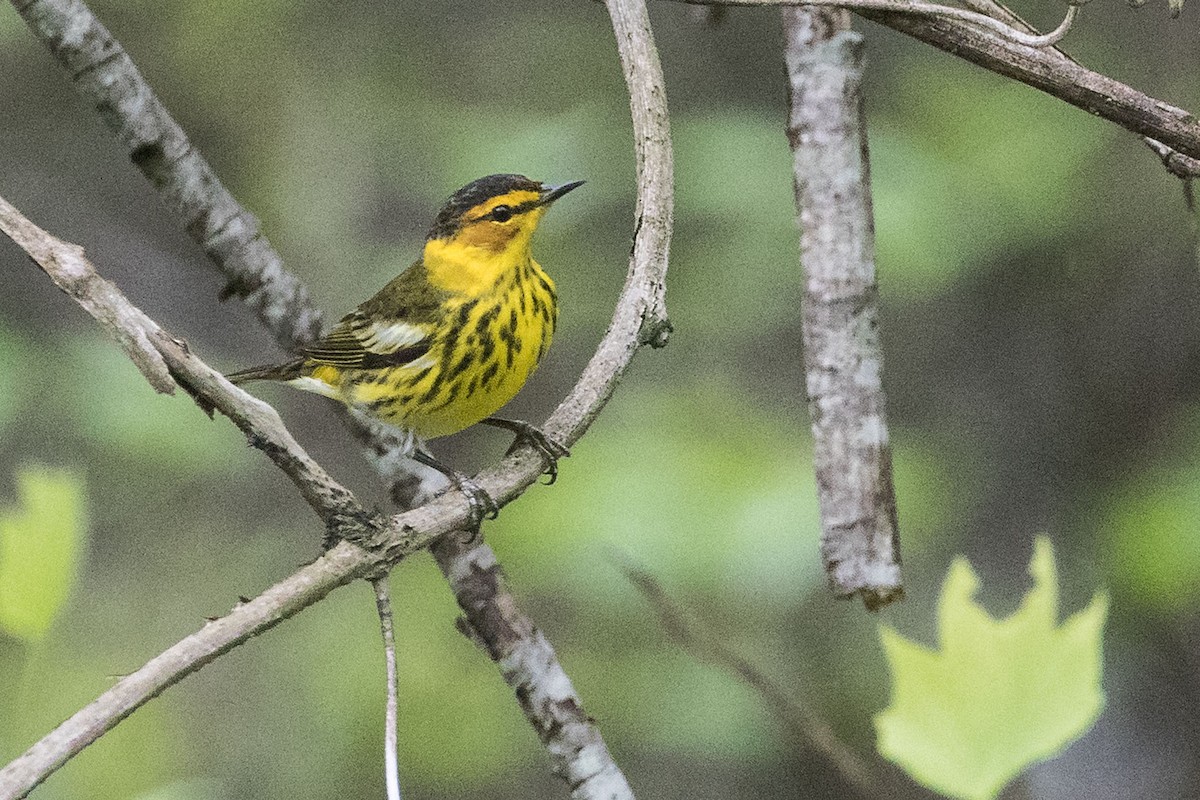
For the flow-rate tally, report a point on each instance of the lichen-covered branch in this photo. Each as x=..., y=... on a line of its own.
x=530, y=666
x=860, y=539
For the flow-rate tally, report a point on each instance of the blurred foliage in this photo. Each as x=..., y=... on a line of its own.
x=13, y=352
x=40, y=542
x=1150, y=523
x=998, y=695
x=932, y=180
x=1041, y=324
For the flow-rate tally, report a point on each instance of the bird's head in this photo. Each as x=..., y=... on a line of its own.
x=485, y=228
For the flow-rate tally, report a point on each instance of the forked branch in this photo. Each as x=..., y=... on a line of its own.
x=103, y=72
x=1043, y=68
x=639, y=317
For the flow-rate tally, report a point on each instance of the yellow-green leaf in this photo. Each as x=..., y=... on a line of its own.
x=999, y=695
x=40, y=542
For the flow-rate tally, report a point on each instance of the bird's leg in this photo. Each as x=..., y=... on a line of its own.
x=481, y=503
x=550, y=449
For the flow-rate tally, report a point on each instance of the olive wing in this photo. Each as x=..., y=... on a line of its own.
x=393, y=328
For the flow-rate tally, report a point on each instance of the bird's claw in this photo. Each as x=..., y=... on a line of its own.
x=480, y=503
x=550, y=449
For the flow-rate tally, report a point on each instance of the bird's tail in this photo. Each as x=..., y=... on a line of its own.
x=274, y=372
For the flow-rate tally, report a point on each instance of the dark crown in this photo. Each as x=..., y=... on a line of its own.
x=449, y=219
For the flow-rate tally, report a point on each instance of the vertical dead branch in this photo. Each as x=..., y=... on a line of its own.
x=859, y=535
x=530, y=666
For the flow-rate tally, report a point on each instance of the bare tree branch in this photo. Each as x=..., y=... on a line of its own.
x=387, y=541
x=1016, y=34
x=1042, y=68
x=800, y=720
x=305, y=587
x=105, y=74
x=165, y=360
x=860, y=538
x=530, y=666
x=1183, y=167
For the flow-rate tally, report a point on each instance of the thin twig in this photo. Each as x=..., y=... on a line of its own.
x=917, y=7
x=860, y=538
x=1183, y=167
x=696, y=639
x=391, y=747
x=1042, y=68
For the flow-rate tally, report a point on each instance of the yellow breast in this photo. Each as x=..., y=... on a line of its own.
x=483, y=354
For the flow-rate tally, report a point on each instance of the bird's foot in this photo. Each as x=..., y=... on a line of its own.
x=480, y=504
x=550, y=449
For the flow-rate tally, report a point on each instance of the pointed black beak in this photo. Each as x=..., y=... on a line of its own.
x=552, y=193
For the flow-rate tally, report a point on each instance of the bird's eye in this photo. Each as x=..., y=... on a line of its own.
x=501, y=213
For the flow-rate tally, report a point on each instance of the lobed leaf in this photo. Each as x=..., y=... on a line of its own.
x=1000, y=694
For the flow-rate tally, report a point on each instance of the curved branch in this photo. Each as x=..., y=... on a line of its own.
x=641, y=314
x=917, y=7
x=526, y=659
x=1043, y=68
x=640, y=318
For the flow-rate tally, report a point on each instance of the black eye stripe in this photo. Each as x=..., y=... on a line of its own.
x=512, y=211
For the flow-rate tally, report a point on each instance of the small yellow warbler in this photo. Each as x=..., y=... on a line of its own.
x=451, y=339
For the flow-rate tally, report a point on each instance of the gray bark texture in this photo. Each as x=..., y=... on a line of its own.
x=843, y=360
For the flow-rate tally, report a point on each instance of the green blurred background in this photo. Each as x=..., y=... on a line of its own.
x=1040, y=299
